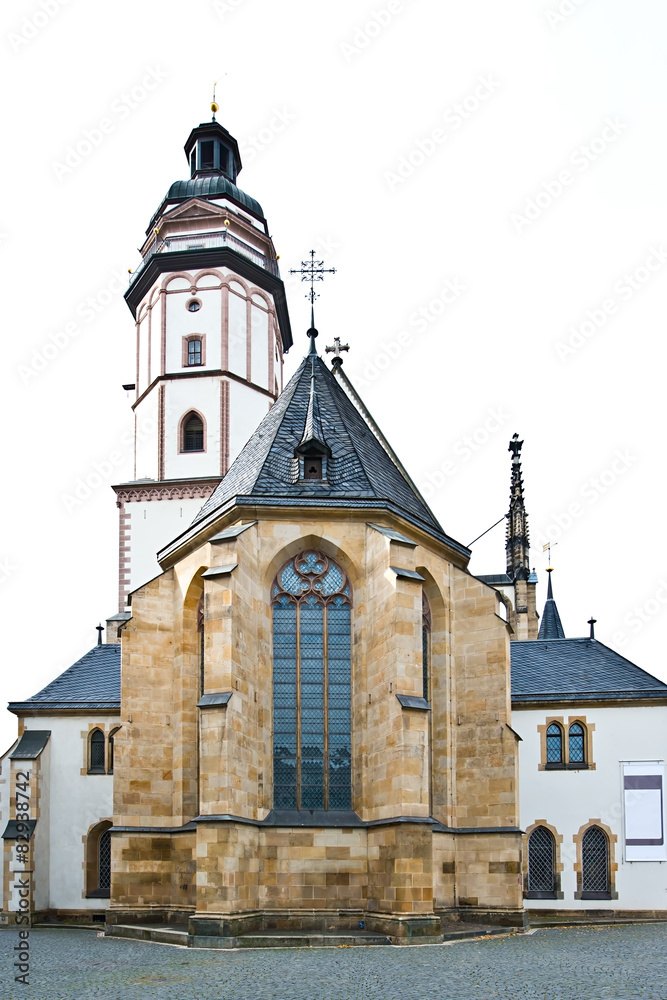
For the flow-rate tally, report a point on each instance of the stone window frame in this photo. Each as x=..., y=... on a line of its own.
x=182, y=450
x=558, y=864
x=111, y=749
x=101, y=768
x=106, y=730
x=201, y=337
x=612, y=864
x=588, y=764
x=90, y=865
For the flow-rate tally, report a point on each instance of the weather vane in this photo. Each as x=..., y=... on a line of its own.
x=312, y=270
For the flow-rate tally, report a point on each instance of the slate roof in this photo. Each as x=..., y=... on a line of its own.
x=360, y=472
x=93, y=682
x=579, y=670
x=208, y=186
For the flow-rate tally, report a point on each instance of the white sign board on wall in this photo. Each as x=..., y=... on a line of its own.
x=644, y=811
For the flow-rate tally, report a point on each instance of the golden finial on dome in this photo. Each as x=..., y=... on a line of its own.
x=214, y=105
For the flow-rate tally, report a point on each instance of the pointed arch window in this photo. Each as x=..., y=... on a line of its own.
x=576, y=744
x=595, y=864
x=554, y=745
x=426, y=645
x=96, y=747
x=104, y=861
x=192, y=433
x=541, y=864
x=312, y=750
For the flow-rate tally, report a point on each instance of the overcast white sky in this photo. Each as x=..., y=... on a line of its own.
x=498, y=167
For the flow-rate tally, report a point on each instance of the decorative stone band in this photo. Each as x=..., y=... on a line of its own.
x=141, y=493
x=318, y=818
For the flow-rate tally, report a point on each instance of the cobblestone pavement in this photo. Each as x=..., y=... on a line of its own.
x=585, y=963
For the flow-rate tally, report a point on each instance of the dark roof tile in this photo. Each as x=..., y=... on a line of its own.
x=91, y=682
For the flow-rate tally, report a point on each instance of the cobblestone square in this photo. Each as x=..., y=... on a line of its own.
x=585, y=963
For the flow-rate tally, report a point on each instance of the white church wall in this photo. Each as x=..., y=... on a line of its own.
x=142, y=348
x=237, y=361
x=146, y=447
x=182, y=323
x=155, y=367
x=153, y=525
x=247, y=408
x=569, y=799
x=181, y=396
x=77, y=802
x=41, y=843
x=259, y=361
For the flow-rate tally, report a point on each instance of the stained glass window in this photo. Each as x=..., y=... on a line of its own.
x=541, y=861
x=576, y=743
x=554, y=744
x=312, y=746
x=594, y=861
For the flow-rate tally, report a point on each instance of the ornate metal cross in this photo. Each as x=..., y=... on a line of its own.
x=312, y=271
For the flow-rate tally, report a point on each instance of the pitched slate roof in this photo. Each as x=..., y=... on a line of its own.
x=93, y=682
x=581, y=670
x=360, y=471
x=550, y=625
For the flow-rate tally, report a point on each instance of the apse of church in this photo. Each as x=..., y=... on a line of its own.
x=314, y=750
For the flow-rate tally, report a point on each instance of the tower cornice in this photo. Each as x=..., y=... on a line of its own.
x=161, y=263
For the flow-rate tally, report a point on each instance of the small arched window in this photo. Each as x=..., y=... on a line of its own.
x=595, y=861
x=193, y=433
x=111, y=750
x=98, y=860
x=576, y=744
x=554, y=744
x=426, y=645
x=541, y=862
x=96, y=743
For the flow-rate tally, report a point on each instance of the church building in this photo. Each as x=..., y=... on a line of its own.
x=302, y=717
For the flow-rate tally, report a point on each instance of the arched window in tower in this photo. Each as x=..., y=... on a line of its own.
x=96, y=743
x=194, y=351
x=575, y=741
x=426, y=645
x=554, y=744
x=312, y=747
x=193, y=433
x=541, y=861
x=595, y=861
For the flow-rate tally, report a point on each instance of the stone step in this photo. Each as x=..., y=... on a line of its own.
x=150, y=932
x=311, y=939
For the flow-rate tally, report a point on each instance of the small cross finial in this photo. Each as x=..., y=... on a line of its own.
x=312, y=270
x=337, y=350
x=592, y=622
x=99, y=629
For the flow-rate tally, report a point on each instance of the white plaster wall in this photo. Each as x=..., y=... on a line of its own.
x=569, y=799
x=143, y=382
x=156, y=338
x=181, y=323
x=237, y=357
x=247, y=408
x=153, y=525
x=146, y=437
x=76, y=802
x=259, y=359
x=181, y=396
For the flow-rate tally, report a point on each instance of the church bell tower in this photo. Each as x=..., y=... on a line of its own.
x=211, y=330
